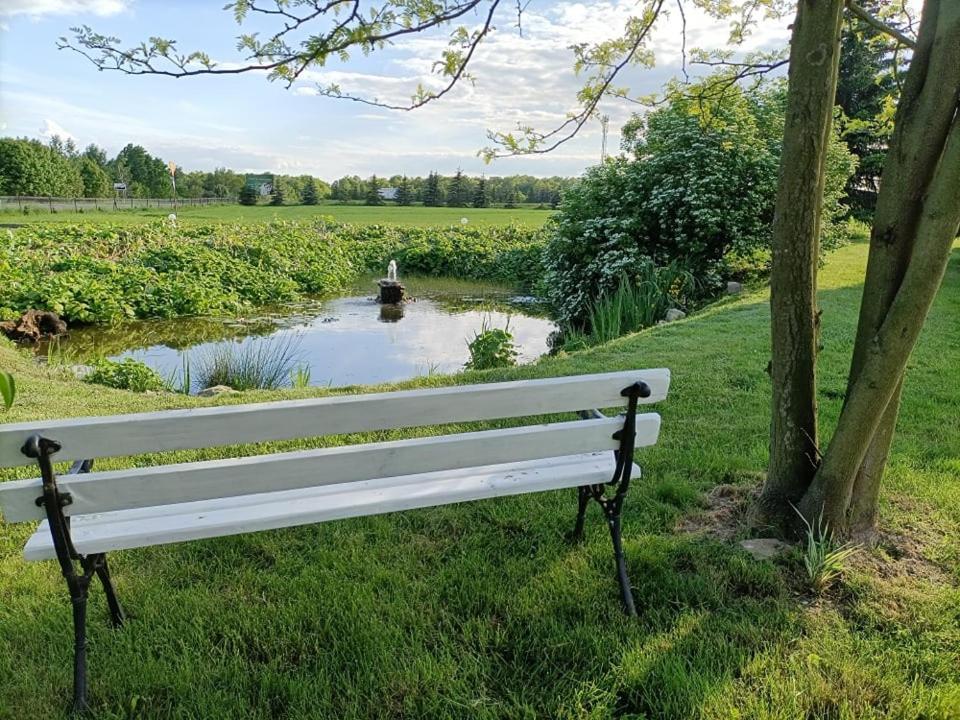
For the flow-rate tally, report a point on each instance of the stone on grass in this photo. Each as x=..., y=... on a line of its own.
x=764, y=548
x=80, y=371
x=216, y=390
x=674, y=314
x=734, y=288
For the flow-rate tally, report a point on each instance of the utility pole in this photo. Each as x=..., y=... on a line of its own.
x=172, y=167
x=604, y=124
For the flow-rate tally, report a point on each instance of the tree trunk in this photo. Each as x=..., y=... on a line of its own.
x=927, y=108
x=886, y=356
x=865, y=498
x=814, y=60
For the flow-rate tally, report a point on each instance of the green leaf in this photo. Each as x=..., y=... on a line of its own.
x=8, y=389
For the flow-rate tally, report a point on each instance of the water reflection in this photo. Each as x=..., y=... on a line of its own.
x=392, y=313
x=344, y=340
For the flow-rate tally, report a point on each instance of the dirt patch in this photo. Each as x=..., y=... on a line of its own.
x=724, y=515
x=899, y=557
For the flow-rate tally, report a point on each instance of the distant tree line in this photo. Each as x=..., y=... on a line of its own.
x=59, y=168
x=458, y=190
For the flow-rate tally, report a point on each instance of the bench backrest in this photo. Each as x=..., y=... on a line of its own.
x=124, y=435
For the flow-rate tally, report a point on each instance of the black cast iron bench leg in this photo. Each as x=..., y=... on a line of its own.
x=612, y=505
x=78, y=583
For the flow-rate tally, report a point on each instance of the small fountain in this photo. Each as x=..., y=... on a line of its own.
x=391, y=291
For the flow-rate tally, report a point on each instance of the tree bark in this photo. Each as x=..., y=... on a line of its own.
x=814, y=60
x=886, y=356
x=864, y=507
x=927, y=106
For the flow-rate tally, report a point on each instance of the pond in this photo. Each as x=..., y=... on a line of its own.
x=343, y=340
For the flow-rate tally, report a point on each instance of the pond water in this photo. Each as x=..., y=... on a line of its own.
x=344, y=340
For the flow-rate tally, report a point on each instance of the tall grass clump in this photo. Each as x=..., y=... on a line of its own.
x=636, y=303
x=263, y=364
x=823, y=559
x=300, y=376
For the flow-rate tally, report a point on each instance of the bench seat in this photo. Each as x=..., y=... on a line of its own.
x=142, y=527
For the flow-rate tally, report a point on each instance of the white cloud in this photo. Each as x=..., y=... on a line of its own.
x=529, y=78
x=37, y=8
x=519, y=79
x=52, y=128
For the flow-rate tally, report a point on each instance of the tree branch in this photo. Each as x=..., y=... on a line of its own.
x=567, y=130
x=423, y=98
x=880, y=26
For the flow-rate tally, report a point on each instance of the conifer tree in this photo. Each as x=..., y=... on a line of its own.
x=459, y=194
x=248, y=195
x=431, y=191
x=309, y=196
x=373, y=191
x=404, y=196
x=480, y=193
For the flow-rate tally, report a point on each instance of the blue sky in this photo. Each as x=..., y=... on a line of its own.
x=249, y=124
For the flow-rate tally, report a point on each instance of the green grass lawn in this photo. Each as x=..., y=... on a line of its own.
x=485, y=611
x=361, y=214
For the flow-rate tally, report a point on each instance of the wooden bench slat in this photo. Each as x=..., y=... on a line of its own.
x=185, y=482
x=269, y=511
x=121, y=435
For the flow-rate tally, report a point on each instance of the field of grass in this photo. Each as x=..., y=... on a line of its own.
x=485, y=611
x=359, y=214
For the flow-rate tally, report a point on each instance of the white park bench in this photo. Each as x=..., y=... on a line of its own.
x=86, y=514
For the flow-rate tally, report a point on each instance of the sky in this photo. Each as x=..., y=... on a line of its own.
x=249, y=124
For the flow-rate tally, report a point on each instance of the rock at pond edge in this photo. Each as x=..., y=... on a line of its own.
x=216, y=390
x=34, y=325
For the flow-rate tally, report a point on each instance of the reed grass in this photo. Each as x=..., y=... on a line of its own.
x=636, y=303
x=261, y=364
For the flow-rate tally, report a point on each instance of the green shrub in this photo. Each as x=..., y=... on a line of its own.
x=126, y=374
x=491, y=348
x=698, y=188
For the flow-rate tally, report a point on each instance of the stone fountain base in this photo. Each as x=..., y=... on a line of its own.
x=391, y=292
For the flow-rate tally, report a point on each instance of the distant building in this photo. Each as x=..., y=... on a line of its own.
x=263, y=184
x=388, y=193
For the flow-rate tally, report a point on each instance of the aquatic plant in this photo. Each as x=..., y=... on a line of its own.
x=634, y=305
x=263, y=364
x=300, y=376
x=491, y=348
x=125, y=374
x=96, y=273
